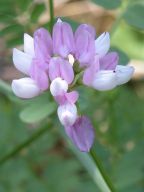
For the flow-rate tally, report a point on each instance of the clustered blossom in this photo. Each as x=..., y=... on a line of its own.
x=54, y=62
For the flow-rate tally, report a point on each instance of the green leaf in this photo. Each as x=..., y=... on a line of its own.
x=134, y=15
x=37, y=111
x=108, y=4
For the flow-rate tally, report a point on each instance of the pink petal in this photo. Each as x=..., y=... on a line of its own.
x=90, y=72
x=63, y=40
x=40, y=76
x=109, y=61
x=72, y=97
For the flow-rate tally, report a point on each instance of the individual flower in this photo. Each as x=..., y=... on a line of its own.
x=104, y=73
x=33, y=62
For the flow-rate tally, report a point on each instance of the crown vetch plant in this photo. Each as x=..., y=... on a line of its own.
x=58, y=63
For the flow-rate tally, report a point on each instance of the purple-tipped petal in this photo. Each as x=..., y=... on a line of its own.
x=90, y=72
x=72, y=97
x=102, y=44
x=43, y=47
x=85, y=48
x=59, y=67
x=81, y=133
x=39, y=75
x=25, y=88
x=63, y=39
x=86, y=27
x=67, y=114
x=109, y=61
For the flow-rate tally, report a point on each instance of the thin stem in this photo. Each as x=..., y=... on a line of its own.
x=102, y=171
x=51, y=10
x=25, y=144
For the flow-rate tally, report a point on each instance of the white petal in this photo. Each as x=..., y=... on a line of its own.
x=104, y=80
x=123, y=74
x=67, y=114
x=102, y=44
x=28, y=45
x=22, y=61
x=58, y=86
x=25, y=88
x=71, y=59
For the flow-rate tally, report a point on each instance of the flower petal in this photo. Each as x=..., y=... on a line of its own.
x=72, y=97
x=102, y=44
x=25, y=88
x=90, y=72
x=39, y=75
x=22, y=61
x=58, y=87
x=43, y=47
x=123, y=74
x=86, y=27
x=85, y=47
x=104, y=80
x=67, y=114
x=29, y=45
x=109, y=61
x=59, y=67
x=81, y=133
x=63, y=39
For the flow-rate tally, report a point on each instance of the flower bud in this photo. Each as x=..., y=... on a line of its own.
x=81, y=133
x=25, y=88
x=67, y=114
x=58, y=87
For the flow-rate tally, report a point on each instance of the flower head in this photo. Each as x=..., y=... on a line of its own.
x=63, y=61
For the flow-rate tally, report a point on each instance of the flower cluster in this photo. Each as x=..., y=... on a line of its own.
x=59, y=62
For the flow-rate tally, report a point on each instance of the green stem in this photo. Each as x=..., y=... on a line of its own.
x=51, y=10
x=25, y=144
x=105, y=177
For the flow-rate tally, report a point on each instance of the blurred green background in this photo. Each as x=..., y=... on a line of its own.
x=48, y=164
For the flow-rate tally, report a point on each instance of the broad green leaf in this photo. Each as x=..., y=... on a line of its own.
x=108, y=4
x=37, y=111
x=134, y=15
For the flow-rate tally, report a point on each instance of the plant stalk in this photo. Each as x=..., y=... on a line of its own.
x=51, y=12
